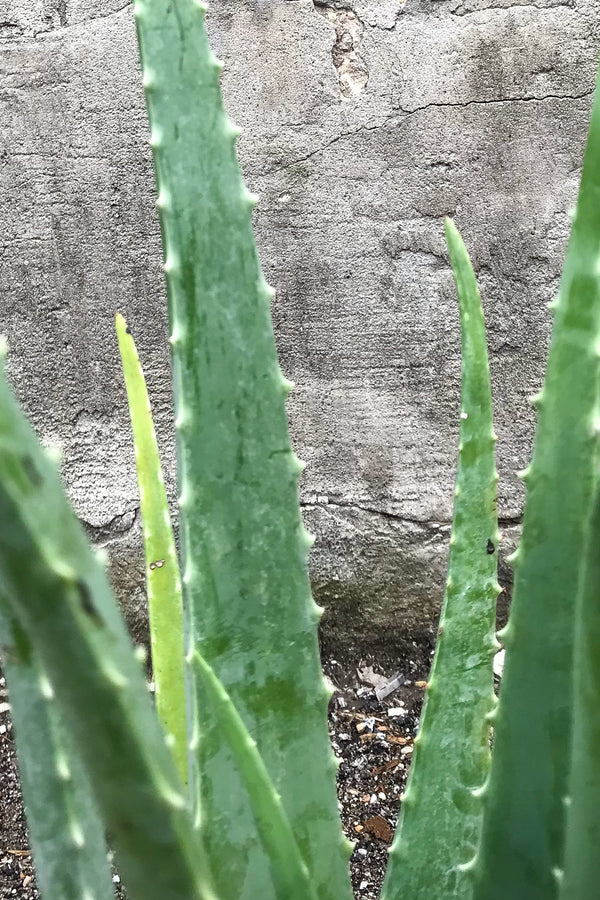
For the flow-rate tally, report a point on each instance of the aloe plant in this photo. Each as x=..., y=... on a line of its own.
x=259, y=817
x=452, y=756
x=165, y=608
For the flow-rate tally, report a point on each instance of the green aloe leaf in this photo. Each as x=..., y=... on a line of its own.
x=582, y=860
x=65, y=828
x=162, y=568
x=59, y=594
x=290, y=875
x=524, y=819
x=244, y=548
x=440, y=817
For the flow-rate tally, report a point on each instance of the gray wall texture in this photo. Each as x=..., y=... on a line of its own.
x=366, y=121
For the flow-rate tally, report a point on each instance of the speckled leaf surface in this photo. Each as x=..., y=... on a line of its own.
x=440, y=817
x=63, y=822
x=524, y=818
x=244, y=546
x=165, y=611
x=58, y=592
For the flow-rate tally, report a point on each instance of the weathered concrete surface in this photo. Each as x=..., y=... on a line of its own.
x=366, y=122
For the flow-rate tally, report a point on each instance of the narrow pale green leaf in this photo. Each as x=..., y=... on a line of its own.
x=244, y=548
x=582, y=857
x=58, y=592
x=162, y=569
x=440, y=817
x=524, y=818
x=65, y=830
x=290, y=875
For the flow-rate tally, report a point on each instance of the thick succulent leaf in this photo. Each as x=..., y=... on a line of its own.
x=65, y=829
x=162, y=568
x=290, y=875
x=582, y=859
x=440, y=817
x=524, y=818
x=244, y=547
x=59, y=594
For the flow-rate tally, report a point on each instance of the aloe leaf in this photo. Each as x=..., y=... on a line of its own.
x=162, y=568
x=244, y=548
x=582, y=861
x=59, y=594
x=524, y=818
x=440, y=817
x=290, y=874
x=65, y=829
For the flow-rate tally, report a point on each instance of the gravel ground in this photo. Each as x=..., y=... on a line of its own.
x=372, y=739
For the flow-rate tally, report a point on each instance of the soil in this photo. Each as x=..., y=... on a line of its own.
x=371, y=738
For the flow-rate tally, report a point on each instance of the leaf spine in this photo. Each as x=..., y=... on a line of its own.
x=298, y=465
x=163, y=201
x=469, y=867
x=54, y=454
x=233, y=130
x=171, y=264
x=101, y=556
x=112, y=674
x=46, y=689
x=306, y=538
x=77, y=835
x=177, y=335
x=318, y=611
x=62, y=768
x=155, y=138
x=536, y=399
x=249, y=198
x=141, y=654
x=172, y=797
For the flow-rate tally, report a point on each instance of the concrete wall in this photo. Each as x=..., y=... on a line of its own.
x=366, y=122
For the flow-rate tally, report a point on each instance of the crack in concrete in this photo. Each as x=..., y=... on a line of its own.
x=461, y=12
x=441, y=526
x=116, y=527
x=397, y=118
